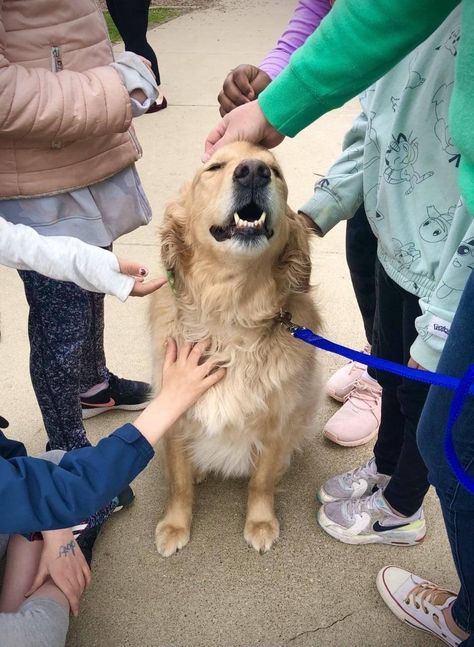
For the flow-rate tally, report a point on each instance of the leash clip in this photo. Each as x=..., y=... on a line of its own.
x=284, y=319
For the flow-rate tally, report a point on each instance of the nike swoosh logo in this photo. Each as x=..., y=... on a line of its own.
x=378, y=528
x=110, y=403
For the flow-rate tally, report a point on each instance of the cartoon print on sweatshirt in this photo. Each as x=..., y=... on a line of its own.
x=414, y=78
x=441, y=103
x=371, y=145
x=463, y=262
x=424, y=333
x=452, y=42
x=405, y=254
x=394, y=101
x=400, y=158
x=435, y=228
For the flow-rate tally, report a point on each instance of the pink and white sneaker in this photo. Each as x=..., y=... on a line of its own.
x=340, y=384
x=358, y=420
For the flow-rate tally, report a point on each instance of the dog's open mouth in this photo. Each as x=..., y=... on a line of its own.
x=248, y=222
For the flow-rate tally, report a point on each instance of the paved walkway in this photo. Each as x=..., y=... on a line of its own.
x=309, y=590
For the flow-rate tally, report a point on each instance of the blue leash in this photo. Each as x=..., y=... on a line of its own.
x=463, y=387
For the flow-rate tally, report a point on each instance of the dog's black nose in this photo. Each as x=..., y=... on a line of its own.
x=252, y=173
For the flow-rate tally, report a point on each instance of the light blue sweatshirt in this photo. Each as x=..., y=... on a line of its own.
x=400, y=161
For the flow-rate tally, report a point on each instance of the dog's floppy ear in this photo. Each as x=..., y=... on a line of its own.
x=295, y=260
x=174, y=249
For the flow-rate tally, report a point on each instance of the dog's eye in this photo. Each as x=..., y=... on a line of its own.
x=277, y=172
x=215, y=167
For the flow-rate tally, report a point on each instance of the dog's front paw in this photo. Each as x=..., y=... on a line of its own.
x=261, y=534
x=170, y=538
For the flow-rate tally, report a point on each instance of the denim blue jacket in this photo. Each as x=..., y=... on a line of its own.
x=38, y=495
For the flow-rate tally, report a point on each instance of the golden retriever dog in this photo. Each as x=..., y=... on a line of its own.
x=238, y=256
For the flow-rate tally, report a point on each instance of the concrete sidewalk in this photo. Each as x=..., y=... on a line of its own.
x=309, y=590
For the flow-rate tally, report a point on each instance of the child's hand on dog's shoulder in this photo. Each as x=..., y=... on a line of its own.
x=185, y=379
x=185, y=376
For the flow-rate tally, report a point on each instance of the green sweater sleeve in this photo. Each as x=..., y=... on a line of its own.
x=356, y=44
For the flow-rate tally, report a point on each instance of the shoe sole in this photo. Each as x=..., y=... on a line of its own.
x=399, y=612
x=358, y=540
x=96, y=411
x=350, y=443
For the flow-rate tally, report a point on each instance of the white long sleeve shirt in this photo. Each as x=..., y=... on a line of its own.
x=63, y=258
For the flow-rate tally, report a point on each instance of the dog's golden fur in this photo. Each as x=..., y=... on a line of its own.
x=250, y=423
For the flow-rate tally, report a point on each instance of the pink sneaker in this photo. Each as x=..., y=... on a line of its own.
x=340, y=384
x=358, y=420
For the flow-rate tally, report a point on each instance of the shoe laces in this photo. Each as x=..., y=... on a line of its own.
x=428, y=593
x=361, y=472
x=363, y=395
x=365, y=504
x=357, y=365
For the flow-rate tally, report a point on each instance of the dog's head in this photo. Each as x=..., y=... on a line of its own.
x=235, y=212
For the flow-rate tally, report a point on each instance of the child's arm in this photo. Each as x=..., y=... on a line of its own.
x=339, y=194
x=306, y=18
x=38, y=495
x=455, y=267
x=69, y=259
x=245, y=82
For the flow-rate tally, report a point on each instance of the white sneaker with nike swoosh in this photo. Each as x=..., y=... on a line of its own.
x=370, y=520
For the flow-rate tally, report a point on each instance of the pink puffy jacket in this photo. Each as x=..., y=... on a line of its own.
x=64, y=112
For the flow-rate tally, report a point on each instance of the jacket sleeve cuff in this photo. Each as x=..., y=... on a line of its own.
x=299, y=108
x=130, y=435
x=427, y=354
x=324, y=210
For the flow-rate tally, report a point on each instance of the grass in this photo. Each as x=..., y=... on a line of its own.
x=156, y=16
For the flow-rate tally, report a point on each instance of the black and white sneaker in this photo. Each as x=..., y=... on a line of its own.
x=128, y=395
x=124, y=499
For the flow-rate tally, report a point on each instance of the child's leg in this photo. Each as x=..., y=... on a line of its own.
x=93, y=366
x=131, y=19
x=38, y=623
x=409, y=484
x=59, y=325
x=388, y=344
x=361, y=256
x=22, y=565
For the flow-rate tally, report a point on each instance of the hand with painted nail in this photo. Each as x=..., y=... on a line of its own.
x=139, y=273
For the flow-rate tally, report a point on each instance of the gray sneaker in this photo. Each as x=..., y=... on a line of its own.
x=370, y=520
x=355, y=484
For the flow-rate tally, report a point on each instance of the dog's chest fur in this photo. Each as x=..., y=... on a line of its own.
x=263, y=393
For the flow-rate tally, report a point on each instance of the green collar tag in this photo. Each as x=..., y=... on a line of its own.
x=171, y=281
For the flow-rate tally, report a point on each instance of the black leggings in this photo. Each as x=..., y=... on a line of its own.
x=131, y=19
x=396, y=452
x=361, y=255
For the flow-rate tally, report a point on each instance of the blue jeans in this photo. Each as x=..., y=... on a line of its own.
x=457, y=503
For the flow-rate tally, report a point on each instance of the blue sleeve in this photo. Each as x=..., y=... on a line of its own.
x=11, y=448
x=38, y=495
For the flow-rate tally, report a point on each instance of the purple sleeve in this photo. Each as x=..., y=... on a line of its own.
x=306, y=18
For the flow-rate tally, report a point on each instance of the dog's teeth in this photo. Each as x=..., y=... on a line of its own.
x=261, y=220
x=236, y=218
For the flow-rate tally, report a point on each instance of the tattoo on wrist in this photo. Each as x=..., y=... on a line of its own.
x=67, y=549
